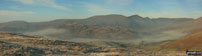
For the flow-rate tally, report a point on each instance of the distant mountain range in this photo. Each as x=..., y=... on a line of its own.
x=184, y=33
x=102, y=27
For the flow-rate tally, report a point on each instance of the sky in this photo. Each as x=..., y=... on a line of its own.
x=46, y=10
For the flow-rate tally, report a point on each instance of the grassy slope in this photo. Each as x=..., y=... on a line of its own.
x=192, y=41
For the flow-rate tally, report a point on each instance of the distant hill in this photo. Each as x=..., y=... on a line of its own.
x=189, y=26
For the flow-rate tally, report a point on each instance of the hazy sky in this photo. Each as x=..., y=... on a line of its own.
x=45, y=10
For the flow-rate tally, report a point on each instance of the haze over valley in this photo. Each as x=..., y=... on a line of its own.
x=100, y=27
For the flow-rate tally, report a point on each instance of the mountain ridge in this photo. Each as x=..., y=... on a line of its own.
x=101, y=26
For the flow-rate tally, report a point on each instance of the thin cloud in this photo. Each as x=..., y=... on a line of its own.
x=9, y=15
x=49, y=3
x=25, y=1
x=98, y=10
x=13, y=7
x=119, y=2
x=194, y=1
x=15, y=13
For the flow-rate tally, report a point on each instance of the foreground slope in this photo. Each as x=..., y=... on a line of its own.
x=19, y=44
x=192, y=41
x=12, y=44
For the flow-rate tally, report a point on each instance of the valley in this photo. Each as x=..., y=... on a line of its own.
x=102, y=35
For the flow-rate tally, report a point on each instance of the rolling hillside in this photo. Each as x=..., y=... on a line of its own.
x=192, y=41
x=12, y=44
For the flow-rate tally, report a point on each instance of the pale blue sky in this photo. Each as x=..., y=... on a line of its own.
x=46, y=10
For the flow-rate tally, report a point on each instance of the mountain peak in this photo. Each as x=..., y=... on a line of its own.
x=108, y=16
x=115, y=15
x=135, y=16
